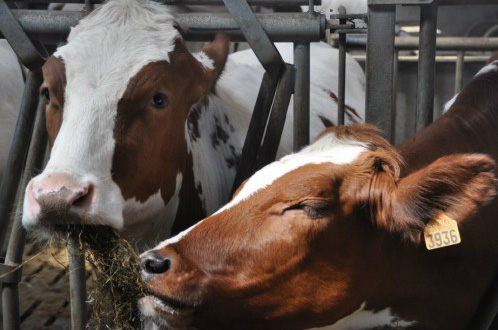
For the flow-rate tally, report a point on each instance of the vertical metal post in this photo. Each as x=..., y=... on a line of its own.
x=341, y=97
x=10, y=291
x=278, y=114
x=301, y=95
x=395, y=98
x=77, y=284
x=459, y=71
x=18, y=150
x=379, y=67
x=426, y=66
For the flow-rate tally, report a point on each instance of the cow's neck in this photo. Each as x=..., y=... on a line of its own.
x=470, y=126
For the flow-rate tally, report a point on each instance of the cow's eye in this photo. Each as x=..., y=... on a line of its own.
x=312, y=211
x=159, y=100
x=45, y=93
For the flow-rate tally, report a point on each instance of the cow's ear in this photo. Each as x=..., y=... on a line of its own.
x=456, y=185
x=217, y=53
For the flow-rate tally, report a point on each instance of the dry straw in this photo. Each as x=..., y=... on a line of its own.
x=118, y=283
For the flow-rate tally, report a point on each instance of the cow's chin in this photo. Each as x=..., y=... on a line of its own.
x=59, y=233
x=166, y=312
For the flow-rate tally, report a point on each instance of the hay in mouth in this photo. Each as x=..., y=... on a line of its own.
x=118, y=284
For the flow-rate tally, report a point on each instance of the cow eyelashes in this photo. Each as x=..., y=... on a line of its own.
x=44, y=92
x=159, y=100
x=312, y=211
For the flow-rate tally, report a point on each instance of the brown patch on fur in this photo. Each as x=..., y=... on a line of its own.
x=349, y=111
x=150, y=142
x=54, y=79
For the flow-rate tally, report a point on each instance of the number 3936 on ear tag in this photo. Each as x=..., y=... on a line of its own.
x=441, y=232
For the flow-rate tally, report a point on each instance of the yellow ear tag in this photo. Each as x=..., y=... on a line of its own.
x=441, y=232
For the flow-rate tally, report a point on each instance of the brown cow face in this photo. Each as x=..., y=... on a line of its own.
x=299, y=245
x=118, y=98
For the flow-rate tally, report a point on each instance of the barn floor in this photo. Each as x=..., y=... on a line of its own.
x=44, y=290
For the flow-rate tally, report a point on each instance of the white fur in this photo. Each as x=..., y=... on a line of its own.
x=206, y=61
x=328, y=149
x=365, y=319
x=11, y=87
x=488, y=68
x=449, y=104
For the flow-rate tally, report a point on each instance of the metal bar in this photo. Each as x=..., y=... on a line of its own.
x=278, y=114
x=268, y=3
x=442, y=43
x=439, y=59
x=77, y=284
x=459, y=71
x=24, y=48
x=301, y=95
x=426, y=66
x=10, y=291
x=379, y=67
x=281, y=27
x=427, y=2
x=341, y=97
x=263, y=48
x=395, y=97
x=18, y=150
x=256, y=130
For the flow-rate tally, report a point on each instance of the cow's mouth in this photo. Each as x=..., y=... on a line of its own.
x=171, y=310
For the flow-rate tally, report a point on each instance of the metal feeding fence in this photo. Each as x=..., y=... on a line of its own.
x=30, y=32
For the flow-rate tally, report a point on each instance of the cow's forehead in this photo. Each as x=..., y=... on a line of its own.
x=328, y=149
x=108, y=47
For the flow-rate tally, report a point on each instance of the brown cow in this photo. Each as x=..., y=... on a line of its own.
x=332, y=237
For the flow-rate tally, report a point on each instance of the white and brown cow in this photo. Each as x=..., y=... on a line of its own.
x=331, y=237
x=143, y=132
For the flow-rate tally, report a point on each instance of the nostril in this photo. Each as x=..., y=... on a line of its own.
x=81, y=197
x=156, y=265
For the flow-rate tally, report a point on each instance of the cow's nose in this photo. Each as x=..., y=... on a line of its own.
x=154, y=263
x=58, y=197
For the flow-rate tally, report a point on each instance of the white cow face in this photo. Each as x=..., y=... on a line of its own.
x=119, y=93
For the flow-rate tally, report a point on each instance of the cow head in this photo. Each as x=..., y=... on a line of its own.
x=299, y=246
x=118, y=95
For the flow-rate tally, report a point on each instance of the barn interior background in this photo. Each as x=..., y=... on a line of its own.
x=408, y=83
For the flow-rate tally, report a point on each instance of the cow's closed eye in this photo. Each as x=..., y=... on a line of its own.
x=312, y=210
x=159, y=100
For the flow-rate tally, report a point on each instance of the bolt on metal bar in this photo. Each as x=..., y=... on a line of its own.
x=34, y=162
x=379, y=67
x=459, y=64
x=278, y=114
x=280, y=27
x=426, y=66
x=23, y=47
x=341, y=97
x=18, y=150
x=256, y=130
x=301, y=95
x=77, y=284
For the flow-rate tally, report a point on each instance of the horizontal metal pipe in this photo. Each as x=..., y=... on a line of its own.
x=268, y=3
x=439, y=59
x=442, y=43
x=54, y=26
x=428, y=2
